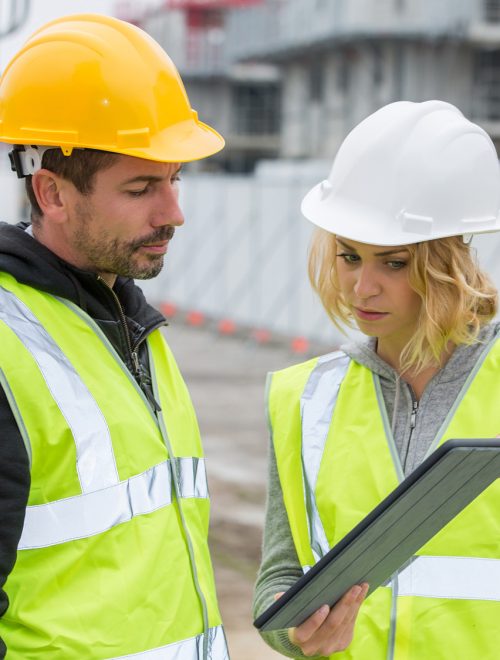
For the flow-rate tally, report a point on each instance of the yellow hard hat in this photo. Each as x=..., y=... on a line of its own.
x=97, y=82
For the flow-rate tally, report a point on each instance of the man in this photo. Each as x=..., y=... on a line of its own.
x=104, y=505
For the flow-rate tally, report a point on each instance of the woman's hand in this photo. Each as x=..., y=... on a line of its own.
x=330, y=630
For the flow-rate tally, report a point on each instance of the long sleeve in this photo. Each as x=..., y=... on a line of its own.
x=280, y=567
x=14, y=491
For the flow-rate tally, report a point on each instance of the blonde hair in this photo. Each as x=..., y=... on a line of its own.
x=457, y=297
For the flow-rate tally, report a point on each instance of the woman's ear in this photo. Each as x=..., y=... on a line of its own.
x=49, y=190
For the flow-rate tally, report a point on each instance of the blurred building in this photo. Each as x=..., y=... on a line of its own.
x=289, y=78
x=241, y=99
x=342, y=59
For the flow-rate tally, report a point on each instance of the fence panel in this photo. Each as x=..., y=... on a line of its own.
x=242, y=255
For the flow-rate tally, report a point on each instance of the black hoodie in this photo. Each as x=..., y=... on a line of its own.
x=123, y=315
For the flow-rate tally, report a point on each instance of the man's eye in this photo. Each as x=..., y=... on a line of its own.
x=138, y=193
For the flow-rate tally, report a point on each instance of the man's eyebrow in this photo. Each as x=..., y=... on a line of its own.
x=148, y=178
x=143, y=178
x=384, y=253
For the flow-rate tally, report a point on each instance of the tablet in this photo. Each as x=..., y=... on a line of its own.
x=445, y=483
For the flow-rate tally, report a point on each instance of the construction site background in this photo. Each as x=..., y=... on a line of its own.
x=284, y=81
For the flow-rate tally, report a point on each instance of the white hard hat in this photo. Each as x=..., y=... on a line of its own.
x=408, y=173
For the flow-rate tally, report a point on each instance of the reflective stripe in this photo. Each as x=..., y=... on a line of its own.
x=94, y=452
x=93, y=513
x=188, y=649
x=191, y=476
x=467, y=578
x=316, y=405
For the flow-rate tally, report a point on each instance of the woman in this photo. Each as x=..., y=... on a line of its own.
x=408, y=187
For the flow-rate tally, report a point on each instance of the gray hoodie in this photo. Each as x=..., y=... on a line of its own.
x=414, y=427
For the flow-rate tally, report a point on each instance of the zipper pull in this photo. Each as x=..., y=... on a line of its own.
x=413, y=418
x=135, y=360
x=150, y=397
x=143, y=383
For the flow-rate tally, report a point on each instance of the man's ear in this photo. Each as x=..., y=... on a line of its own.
x=50, y=193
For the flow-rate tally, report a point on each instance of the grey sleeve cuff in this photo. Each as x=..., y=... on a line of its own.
x=279, y=641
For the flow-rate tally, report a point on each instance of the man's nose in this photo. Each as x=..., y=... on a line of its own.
x=169, y=212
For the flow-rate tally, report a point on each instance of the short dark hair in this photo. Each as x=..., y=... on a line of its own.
x=80, y=168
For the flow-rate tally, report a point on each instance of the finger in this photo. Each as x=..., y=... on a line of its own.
x=311, y=638
x=338, y=626
x=306, y=630
x=278, y=595
x=347, y=608
x=345, y=632
x=344, y=607
x=313, y=633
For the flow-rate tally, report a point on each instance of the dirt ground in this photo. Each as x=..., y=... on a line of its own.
x=226, y=378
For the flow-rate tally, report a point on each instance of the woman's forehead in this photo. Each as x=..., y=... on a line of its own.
x=370, y=248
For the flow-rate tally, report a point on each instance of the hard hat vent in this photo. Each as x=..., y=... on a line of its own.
x=325, y=188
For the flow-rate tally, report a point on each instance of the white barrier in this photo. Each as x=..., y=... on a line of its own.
x=242, y=255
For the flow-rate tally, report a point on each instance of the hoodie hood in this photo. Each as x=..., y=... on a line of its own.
x=457, y=367
x=439, y=395
x=364, y=353
x=31, y=263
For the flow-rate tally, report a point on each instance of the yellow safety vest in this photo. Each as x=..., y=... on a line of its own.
x=113, y=558
x=333, y=443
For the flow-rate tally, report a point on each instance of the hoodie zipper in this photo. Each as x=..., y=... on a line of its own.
x=413, y=423
x=123, y=322
x=413, y=416
x=133, y=350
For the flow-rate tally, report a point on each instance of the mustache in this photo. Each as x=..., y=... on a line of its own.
x=161, y=234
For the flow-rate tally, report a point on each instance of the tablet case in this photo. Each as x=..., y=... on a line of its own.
x=445, y=483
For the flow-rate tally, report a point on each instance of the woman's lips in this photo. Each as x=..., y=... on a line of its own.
x=369, y=314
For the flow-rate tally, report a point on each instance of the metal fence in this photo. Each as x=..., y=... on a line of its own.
x=241, y=257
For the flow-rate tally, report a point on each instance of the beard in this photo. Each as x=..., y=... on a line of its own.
x=104, y=253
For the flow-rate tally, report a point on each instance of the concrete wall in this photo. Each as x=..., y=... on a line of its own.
x=276, y=26
x=360, y=79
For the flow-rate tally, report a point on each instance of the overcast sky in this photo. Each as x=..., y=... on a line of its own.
x=42, y=11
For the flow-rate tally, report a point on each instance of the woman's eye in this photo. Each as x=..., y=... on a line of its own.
x=396, y=265
x=348, y=257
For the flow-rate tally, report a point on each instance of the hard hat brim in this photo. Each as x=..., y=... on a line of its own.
x=359, y=222
x=349, y=219
x=181, y=143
